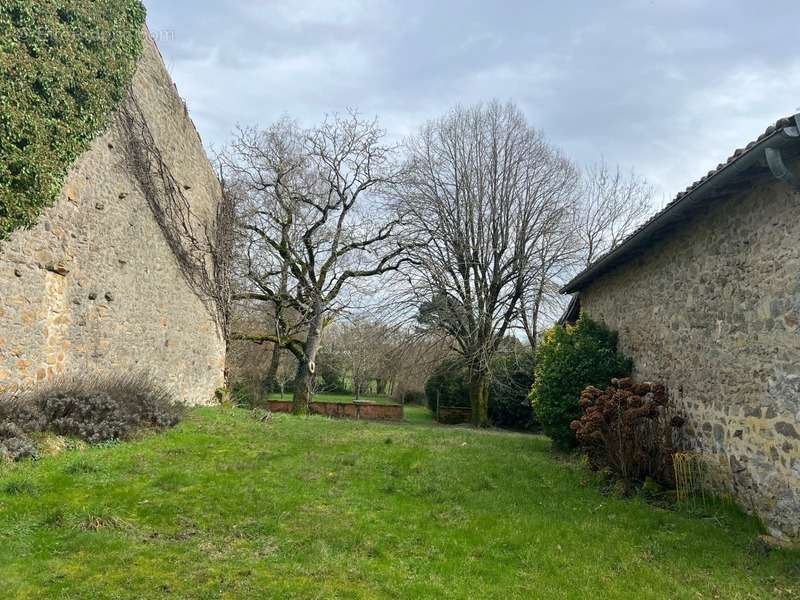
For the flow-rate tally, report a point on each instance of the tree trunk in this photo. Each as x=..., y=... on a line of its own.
x=272, y=371
x=479, y=399
x=303, y=392
x=533, y=333
x=532, y=330
x=226, y=370
x=380, y=386
x=307, y=367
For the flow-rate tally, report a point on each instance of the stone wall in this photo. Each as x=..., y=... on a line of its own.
x=93, y=287
x=713, y=311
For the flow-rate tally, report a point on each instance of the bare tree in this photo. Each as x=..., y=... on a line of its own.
x=286, y=369
x=482, y=189
x=602, y=209
x=390, y=348
x=314, y=207
x=413, y=359
x=397, y=357
x=613, y=203
x=361, y=343
x=558, y=252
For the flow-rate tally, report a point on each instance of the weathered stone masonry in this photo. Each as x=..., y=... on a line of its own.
x=713, y=311
x=93, y=287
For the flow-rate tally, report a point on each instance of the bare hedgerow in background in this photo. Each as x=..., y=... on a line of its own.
x=380, y=352
x=363, y=347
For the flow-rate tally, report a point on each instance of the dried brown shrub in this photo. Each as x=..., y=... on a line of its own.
x=94, y=408
x=627, y=428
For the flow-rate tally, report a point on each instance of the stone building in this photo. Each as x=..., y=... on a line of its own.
x=94, y=287
x=706, y=298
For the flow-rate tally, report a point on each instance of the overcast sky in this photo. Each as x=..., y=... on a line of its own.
x=667, y=87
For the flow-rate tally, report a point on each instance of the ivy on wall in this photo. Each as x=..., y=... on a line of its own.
x=65, y=65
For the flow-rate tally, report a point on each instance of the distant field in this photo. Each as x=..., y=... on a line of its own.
x=419, y=415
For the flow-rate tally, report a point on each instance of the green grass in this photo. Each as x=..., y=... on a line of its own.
x=419, y=415
x=226, y=506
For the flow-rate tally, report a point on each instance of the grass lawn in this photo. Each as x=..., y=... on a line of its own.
x=418, y=415
x=228, y=507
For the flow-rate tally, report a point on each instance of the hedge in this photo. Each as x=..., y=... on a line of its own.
x=568, y=360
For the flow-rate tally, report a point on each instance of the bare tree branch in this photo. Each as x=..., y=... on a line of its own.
x=485, y=189
x=314, y=221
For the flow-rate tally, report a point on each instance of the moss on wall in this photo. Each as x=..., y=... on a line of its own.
x=64, y=67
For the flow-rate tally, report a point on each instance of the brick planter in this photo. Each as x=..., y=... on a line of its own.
x=453, y=415
x=350, y=410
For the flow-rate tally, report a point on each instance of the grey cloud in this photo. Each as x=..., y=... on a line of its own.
x=670, y=88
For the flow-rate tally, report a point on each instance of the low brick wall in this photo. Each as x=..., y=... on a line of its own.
x=351, y=410
x=453, y=415
x=281, y=406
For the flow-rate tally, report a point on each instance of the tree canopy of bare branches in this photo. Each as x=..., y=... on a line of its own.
x=613, y=203
x=314, y=225
x=556, y=257
x=362, y=345
x=604, y=206
x=484, y=190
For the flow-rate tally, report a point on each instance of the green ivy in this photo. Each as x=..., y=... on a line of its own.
x=65, y=65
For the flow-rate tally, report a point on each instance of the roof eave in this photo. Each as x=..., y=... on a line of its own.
x=747, y=159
